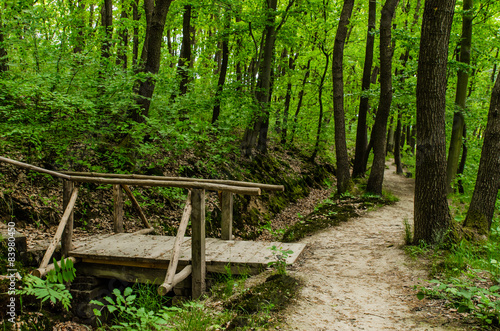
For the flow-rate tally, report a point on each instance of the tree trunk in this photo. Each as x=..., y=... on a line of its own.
x=135, y=39
x=397, y=145
x=288, y=98
x=456, y=141
x=185, y=57
x=431, y=214
x=153, y=55
x=320, y=100
x=107, y=24
x=256, y=134
x=223, y=69
x=300, y=97
x=482, y=205
x=3, y=50
x=376, y=178
x=122, y=49
x=344, y=182
x=359, y=167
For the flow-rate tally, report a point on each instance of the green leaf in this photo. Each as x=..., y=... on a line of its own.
x=420, y=295
x=127, y=291
x=112, y=308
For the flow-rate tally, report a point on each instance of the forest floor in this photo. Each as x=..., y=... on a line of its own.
x=357, y=276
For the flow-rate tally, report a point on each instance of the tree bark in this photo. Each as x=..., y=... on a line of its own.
x=376, y=178
x=223, y=69
x=122, y=49
x=185, y=57
x=431, y=212
x=482, y=205
x=3, y=50
x=135, y=39
x=299, y=102
x=288, y=97
x=107, y=24
x=152, y=58
x=456, y=141
x=397, y=146
x=359, y=167
x=256, y=134
x=320, y=101
x=344, y=181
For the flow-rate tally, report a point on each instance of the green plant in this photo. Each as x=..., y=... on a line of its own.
x=52, y=288
x=280, y=255
x=408, y=231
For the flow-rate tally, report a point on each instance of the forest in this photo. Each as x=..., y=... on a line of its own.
x=269, y=91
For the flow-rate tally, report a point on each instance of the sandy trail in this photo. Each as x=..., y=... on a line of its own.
x=358, y=278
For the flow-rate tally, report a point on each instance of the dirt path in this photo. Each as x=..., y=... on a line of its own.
x=358, y=278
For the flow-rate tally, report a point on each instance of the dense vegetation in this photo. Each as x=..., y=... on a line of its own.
x=251, y=90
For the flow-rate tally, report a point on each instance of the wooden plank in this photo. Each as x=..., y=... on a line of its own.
x=168, y=284
x=198, y=243
x=117, y=209
x=60, y=229
x=227, y=216
x=67, y=236
x=267, y=187
x=34, y=168
x=162, y=183
x=156, y=251
x=136, y=205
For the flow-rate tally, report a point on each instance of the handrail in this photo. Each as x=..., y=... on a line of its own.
x=141, y=180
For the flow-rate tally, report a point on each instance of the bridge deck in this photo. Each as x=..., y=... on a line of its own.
x=147, y=251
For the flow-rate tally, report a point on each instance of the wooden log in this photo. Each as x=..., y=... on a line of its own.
x=174, y=260
x=35, y=168
x=67, y=236
x=198, y=243
x=179, y=277
x=41, y=272
x=136, y=205
x=117, y=209
x=227, y=216
x=144, y=231
x=182, y=184
x=60, y=229
x=267, y=187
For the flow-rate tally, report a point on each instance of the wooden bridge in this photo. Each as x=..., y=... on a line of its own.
x=163, y=260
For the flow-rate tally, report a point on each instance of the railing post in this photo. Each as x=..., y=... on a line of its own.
x=117, y=208
x=67, y=235
x=227, y=215
x=198, y=242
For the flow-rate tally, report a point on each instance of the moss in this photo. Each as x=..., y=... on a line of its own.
x=276, y=292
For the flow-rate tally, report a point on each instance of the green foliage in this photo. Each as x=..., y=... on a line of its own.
x=52, y=288
x=280, y=255
x=129, y=314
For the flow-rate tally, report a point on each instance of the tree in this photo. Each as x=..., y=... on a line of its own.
x=3, y=51
x=343, y=175
x=482, y=205
x=376, y=178
x=458, y=129
x=151, y=53
x=223, y=69
x=256, y=134
x=359, y=167
x=431, y=213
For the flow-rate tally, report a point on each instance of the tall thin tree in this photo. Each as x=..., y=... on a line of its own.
x=344, y=181
x=431, y=213
x=376, y=178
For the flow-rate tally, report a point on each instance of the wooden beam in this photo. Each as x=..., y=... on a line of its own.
x=35, y=168
x=40, y=272
x=179, y=277
x=136, y=205
x=267, y=187
x=67, y=236
x=227, y=216
x=162, y=183
x=198, y=243
x=60, y=229
x=168, y=284
x=117, y=209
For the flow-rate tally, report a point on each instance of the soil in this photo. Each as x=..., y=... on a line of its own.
x=357, y=277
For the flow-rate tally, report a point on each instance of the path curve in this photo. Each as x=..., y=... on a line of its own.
x=357, y=277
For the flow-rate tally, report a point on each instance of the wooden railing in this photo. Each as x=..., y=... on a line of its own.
x=194, y=209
